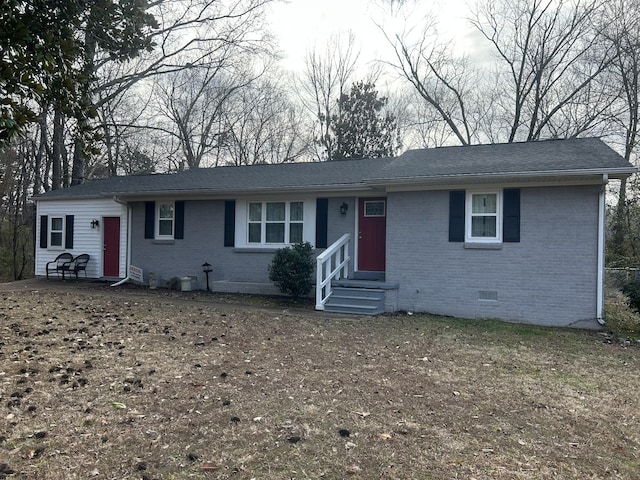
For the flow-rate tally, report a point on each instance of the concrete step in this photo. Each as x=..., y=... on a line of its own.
x=369, y=284
x=355, y=301
x=364, y=275
x=353, y=310
x=358, y=292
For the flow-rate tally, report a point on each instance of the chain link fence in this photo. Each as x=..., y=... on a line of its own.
x=616, y=278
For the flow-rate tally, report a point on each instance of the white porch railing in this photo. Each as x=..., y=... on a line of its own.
x=331, y=264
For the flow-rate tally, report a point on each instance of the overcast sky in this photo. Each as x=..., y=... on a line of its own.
x=301, y=24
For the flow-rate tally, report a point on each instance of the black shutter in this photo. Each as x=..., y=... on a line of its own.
x=179, y=233
x=149, y=219
x=68, y=232
x=511, y=215
x=322, y=215
x=456, y=215
x=229, y=223
x=44, y=231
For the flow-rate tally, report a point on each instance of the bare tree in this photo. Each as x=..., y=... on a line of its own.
x=622, y=30
x=186, y=33
x=549, y=53
x=209, y=38
x=621, y=26
x=173, y=34
x=446, y=83
x=16, y=212
x=265, y=126
x=327, y=75
x=194, y=102
x=121, y=121
x=420, y=125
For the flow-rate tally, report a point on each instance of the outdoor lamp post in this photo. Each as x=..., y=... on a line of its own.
x=206, y=268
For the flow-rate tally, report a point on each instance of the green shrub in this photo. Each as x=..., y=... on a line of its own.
x=632, y=291
x=291, y=269
x=622, y=319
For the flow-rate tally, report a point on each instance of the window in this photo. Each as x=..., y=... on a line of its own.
x=166, y=217
x=164, y=221
x=484, y=217
x=56, y=232
x=374, y=208
x=296, y=222
x=275, y=222
x=489, y=216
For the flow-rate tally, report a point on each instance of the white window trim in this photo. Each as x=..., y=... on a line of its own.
x=384, y=208
x=469, y=215
x=51, y=231
x=242, y=222
x=263, y=222
x=157, y=222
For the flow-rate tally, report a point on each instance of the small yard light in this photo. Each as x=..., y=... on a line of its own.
x=206, y=268
x=343, y=208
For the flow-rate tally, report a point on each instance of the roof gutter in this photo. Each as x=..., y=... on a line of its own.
x=281, y=190
x=69, y=197
x=617, y=173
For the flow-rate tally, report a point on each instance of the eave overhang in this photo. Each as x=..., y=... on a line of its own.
x=541, y=178
x=208, y=194
x=370, y=186
x=78, y=198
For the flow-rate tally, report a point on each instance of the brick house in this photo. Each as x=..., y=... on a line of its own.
x=506, y=231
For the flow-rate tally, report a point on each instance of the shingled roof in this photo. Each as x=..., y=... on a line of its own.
x=585, y=156
x=577, y=155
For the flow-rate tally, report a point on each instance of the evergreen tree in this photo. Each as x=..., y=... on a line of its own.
x=50, y=54
x=362, y=128
x=38, y=54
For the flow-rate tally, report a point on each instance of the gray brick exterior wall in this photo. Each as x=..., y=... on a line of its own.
x=204, y=242
x=548, y=278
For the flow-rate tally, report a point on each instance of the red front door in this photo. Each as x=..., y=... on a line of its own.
x=111, y=254
x=372, y=234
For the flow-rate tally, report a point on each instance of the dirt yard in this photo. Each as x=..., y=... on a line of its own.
x=131, y=384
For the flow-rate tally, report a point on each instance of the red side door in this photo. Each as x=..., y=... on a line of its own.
x=111, y=253
x=372, y=234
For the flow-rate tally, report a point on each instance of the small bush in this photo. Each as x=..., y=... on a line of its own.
x=291, y=269
x=622, y=320
x=173, y=283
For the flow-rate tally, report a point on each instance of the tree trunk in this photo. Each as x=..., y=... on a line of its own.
x=77, y=172
x=40, y=153
x=58, y=140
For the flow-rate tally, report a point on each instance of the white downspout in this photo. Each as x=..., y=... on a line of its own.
x=126, y=278
x=601, y=247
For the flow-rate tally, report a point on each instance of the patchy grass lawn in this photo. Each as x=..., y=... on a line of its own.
x=148, y=386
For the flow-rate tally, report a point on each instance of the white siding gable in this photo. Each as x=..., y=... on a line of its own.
x=85, y=239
